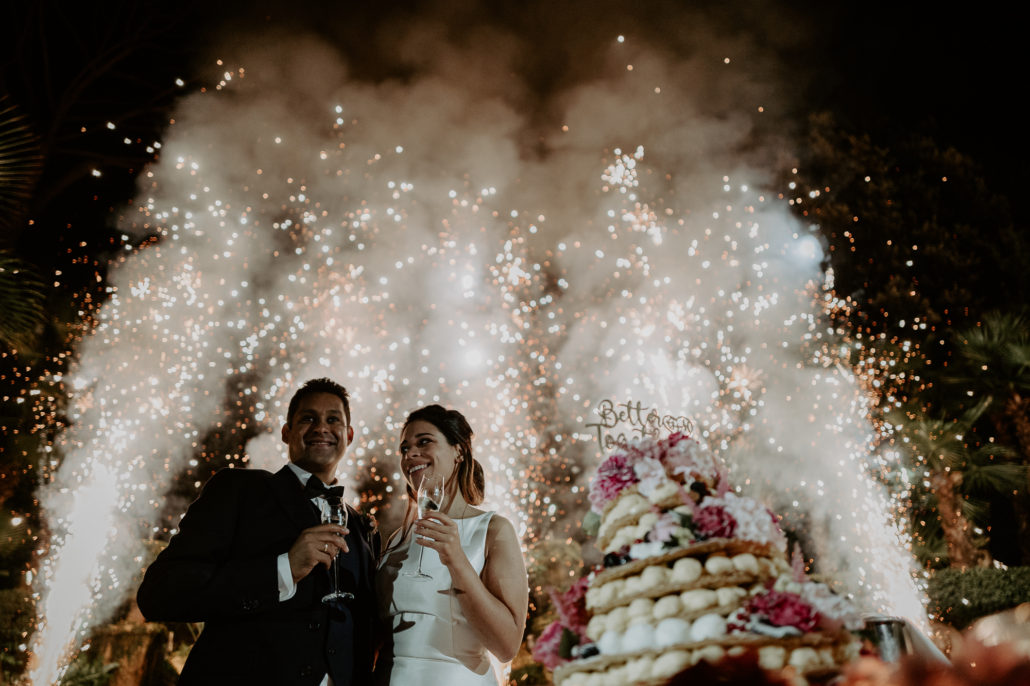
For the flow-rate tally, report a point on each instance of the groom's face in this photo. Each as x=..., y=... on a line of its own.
x=318, y=434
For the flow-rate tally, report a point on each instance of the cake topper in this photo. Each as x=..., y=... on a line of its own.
x=620, y=423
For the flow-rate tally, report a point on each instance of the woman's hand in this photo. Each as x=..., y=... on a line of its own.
x=439, y=532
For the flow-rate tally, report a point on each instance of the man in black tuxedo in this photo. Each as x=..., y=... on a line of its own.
x=251, y=561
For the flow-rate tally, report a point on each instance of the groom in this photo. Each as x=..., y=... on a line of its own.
x=251, y=561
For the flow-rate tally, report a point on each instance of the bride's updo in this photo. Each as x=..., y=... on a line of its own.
x=455, y=428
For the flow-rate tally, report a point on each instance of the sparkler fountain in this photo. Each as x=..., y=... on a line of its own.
x=398, y=239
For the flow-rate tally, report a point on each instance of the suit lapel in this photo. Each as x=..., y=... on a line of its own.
x=290, y=494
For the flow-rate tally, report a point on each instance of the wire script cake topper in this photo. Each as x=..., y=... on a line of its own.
x=619, y=423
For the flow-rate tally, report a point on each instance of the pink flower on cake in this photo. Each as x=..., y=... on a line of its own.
x=614, y=475
x=554, y=645
x=784, y=609
x=547, y=648
x=572, y=606
x=753, y=522
x=713, y=521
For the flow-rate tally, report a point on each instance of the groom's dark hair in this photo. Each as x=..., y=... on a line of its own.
x=313, y=386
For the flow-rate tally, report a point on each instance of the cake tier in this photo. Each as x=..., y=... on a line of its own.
x=812, y=655
x=621, y=521
x=704, y=567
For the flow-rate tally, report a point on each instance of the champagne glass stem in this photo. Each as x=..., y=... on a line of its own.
x=423, y=488
x=337, y=514
x=421, y=551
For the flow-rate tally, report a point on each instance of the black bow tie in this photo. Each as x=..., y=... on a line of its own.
x=314, y=488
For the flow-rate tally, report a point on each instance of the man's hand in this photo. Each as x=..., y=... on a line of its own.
x=317, y=545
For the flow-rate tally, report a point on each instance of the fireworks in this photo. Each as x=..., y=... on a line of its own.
x=396, y=241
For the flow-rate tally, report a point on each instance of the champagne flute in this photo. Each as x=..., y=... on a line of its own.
x=430, y=498
x=335, y=513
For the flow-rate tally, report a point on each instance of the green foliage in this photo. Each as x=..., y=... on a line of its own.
x=917, y=242
x=959, y=597
x=920, y=247
x=88, y=670
x=994, y=357
x=944, y=447
x=591, y=523
x=20, y=164
x=22, y=300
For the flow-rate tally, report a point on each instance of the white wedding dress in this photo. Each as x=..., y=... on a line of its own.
x=433, y=642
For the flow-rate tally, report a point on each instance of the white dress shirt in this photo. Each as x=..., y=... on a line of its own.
x=287, y=587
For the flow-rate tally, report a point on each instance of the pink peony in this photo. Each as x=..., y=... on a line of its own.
x=784, y=609
x=547, y=646
x=614, y=475
x=572, y=607
x=713, y=521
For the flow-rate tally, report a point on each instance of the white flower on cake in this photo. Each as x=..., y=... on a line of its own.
x=652, y=476
x=640, y=551
x=754, y=521
x=833, y=607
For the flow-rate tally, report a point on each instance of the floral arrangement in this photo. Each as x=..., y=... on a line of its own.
x=806, y=607
x=724, y=516
x=558, y=642
x=728, y=515
x=651, y=463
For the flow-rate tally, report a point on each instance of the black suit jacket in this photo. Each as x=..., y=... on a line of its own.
x=220, y=569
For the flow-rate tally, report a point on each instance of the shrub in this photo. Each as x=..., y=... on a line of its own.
x=959, y=597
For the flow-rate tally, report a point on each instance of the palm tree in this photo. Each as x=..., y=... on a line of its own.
x=22, y=300
x=994, y=362
x=20, y=165
x=21, y=291
x=959, y=474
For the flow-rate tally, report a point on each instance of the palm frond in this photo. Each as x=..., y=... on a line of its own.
x=22, y=300
x=996, y=354
x=940, y=442
x=993, y=478
x=20, y=163
x=975, y=510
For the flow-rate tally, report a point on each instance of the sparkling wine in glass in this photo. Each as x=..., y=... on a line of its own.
x=335, y=513
x=429, y=499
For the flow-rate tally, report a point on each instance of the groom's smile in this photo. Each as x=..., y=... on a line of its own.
x=318, y=434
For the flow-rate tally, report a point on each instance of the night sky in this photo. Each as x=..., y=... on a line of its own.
x=884, y=68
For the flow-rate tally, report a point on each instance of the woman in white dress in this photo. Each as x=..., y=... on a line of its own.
x=441, y=629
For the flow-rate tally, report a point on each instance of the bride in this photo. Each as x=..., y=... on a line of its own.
x=475, y=598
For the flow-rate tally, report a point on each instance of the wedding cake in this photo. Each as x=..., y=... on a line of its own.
x=692, y=571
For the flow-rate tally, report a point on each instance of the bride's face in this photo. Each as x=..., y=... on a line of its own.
x=424, y=451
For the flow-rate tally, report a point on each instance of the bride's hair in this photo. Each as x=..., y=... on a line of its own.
x=455, y=428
